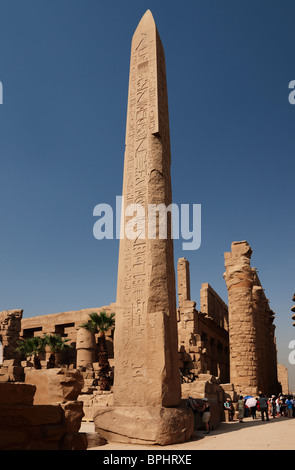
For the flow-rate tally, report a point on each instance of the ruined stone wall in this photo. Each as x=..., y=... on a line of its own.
x=253, y=356
x=10, y=327
x=202, y=335
x=25, y=426
x=283, y=378
x=213, y=306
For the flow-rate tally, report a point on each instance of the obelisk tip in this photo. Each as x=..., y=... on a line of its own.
x=147, y=21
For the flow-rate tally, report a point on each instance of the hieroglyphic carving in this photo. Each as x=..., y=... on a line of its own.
x=143, y=348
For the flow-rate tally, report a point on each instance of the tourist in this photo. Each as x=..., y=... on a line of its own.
x=263, y=404
x=283, y=407
x=205, y=410
x=257, y=406
x=228, y=409
x=191, y=402
x=273, y=406
x=241, y=409
x=289, y=405
x=251, y=404
x=278, y=407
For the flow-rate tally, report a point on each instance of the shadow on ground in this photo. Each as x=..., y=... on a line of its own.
x=236, y=426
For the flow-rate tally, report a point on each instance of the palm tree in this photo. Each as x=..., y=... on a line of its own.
x=57, y=344
x=32, y=347
x=100, y=323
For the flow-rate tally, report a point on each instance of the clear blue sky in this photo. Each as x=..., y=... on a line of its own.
x=64, y=67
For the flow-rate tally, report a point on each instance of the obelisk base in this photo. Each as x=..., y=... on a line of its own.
x=151, y=425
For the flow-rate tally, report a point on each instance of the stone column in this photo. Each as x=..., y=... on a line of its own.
x=183, y=277
x=253, y=355
x=147, y=388
x=85, y=347
x=242, y=333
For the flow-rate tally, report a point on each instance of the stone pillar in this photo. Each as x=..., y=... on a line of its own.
x=253, y=355
x=183, y=277
x=147, y=388
x=10, y=327
x=242, y=334
x=283, y=378
x=85, y=347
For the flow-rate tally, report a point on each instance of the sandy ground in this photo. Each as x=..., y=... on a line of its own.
x=276, y=434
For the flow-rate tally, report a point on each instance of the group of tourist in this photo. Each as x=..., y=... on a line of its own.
x=274, y=406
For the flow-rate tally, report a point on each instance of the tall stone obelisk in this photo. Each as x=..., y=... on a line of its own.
x=147, y=388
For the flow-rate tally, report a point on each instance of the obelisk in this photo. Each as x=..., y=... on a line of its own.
x=147, y=388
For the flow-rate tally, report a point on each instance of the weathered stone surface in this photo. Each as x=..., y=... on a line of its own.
x=283, y=378
x=95, y=440
x=10, y=327
x=202, y=335
x=253, y=357
x=73, y=412
x=75, y=441
x=86, y=347
x=183, y=280
x=147, y=379
x=24, y=426
x=95, y=400
x=145, y=425
x=16, y=393
x=146, y=331
x=55, y=385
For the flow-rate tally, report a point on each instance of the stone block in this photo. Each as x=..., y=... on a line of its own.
x=95, y=440
x=55, y=385
x=16, y=393
x=145, y=425
x=73, y=412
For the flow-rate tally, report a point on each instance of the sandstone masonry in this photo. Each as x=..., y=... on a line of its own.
x=253, y=355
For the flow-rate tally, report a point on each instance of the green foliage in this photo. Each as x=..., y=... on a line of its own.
x=99, y=322
x=56, y=343
x=31, y=346
x=35, y=346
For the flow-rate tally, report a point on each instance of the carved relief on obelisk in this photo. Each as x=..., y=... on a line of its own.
x=147, y=363
x=147, y=388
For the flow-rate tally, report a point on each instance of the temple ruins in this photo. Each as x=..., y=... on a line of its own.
x=160, y=352
x=202, y=335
